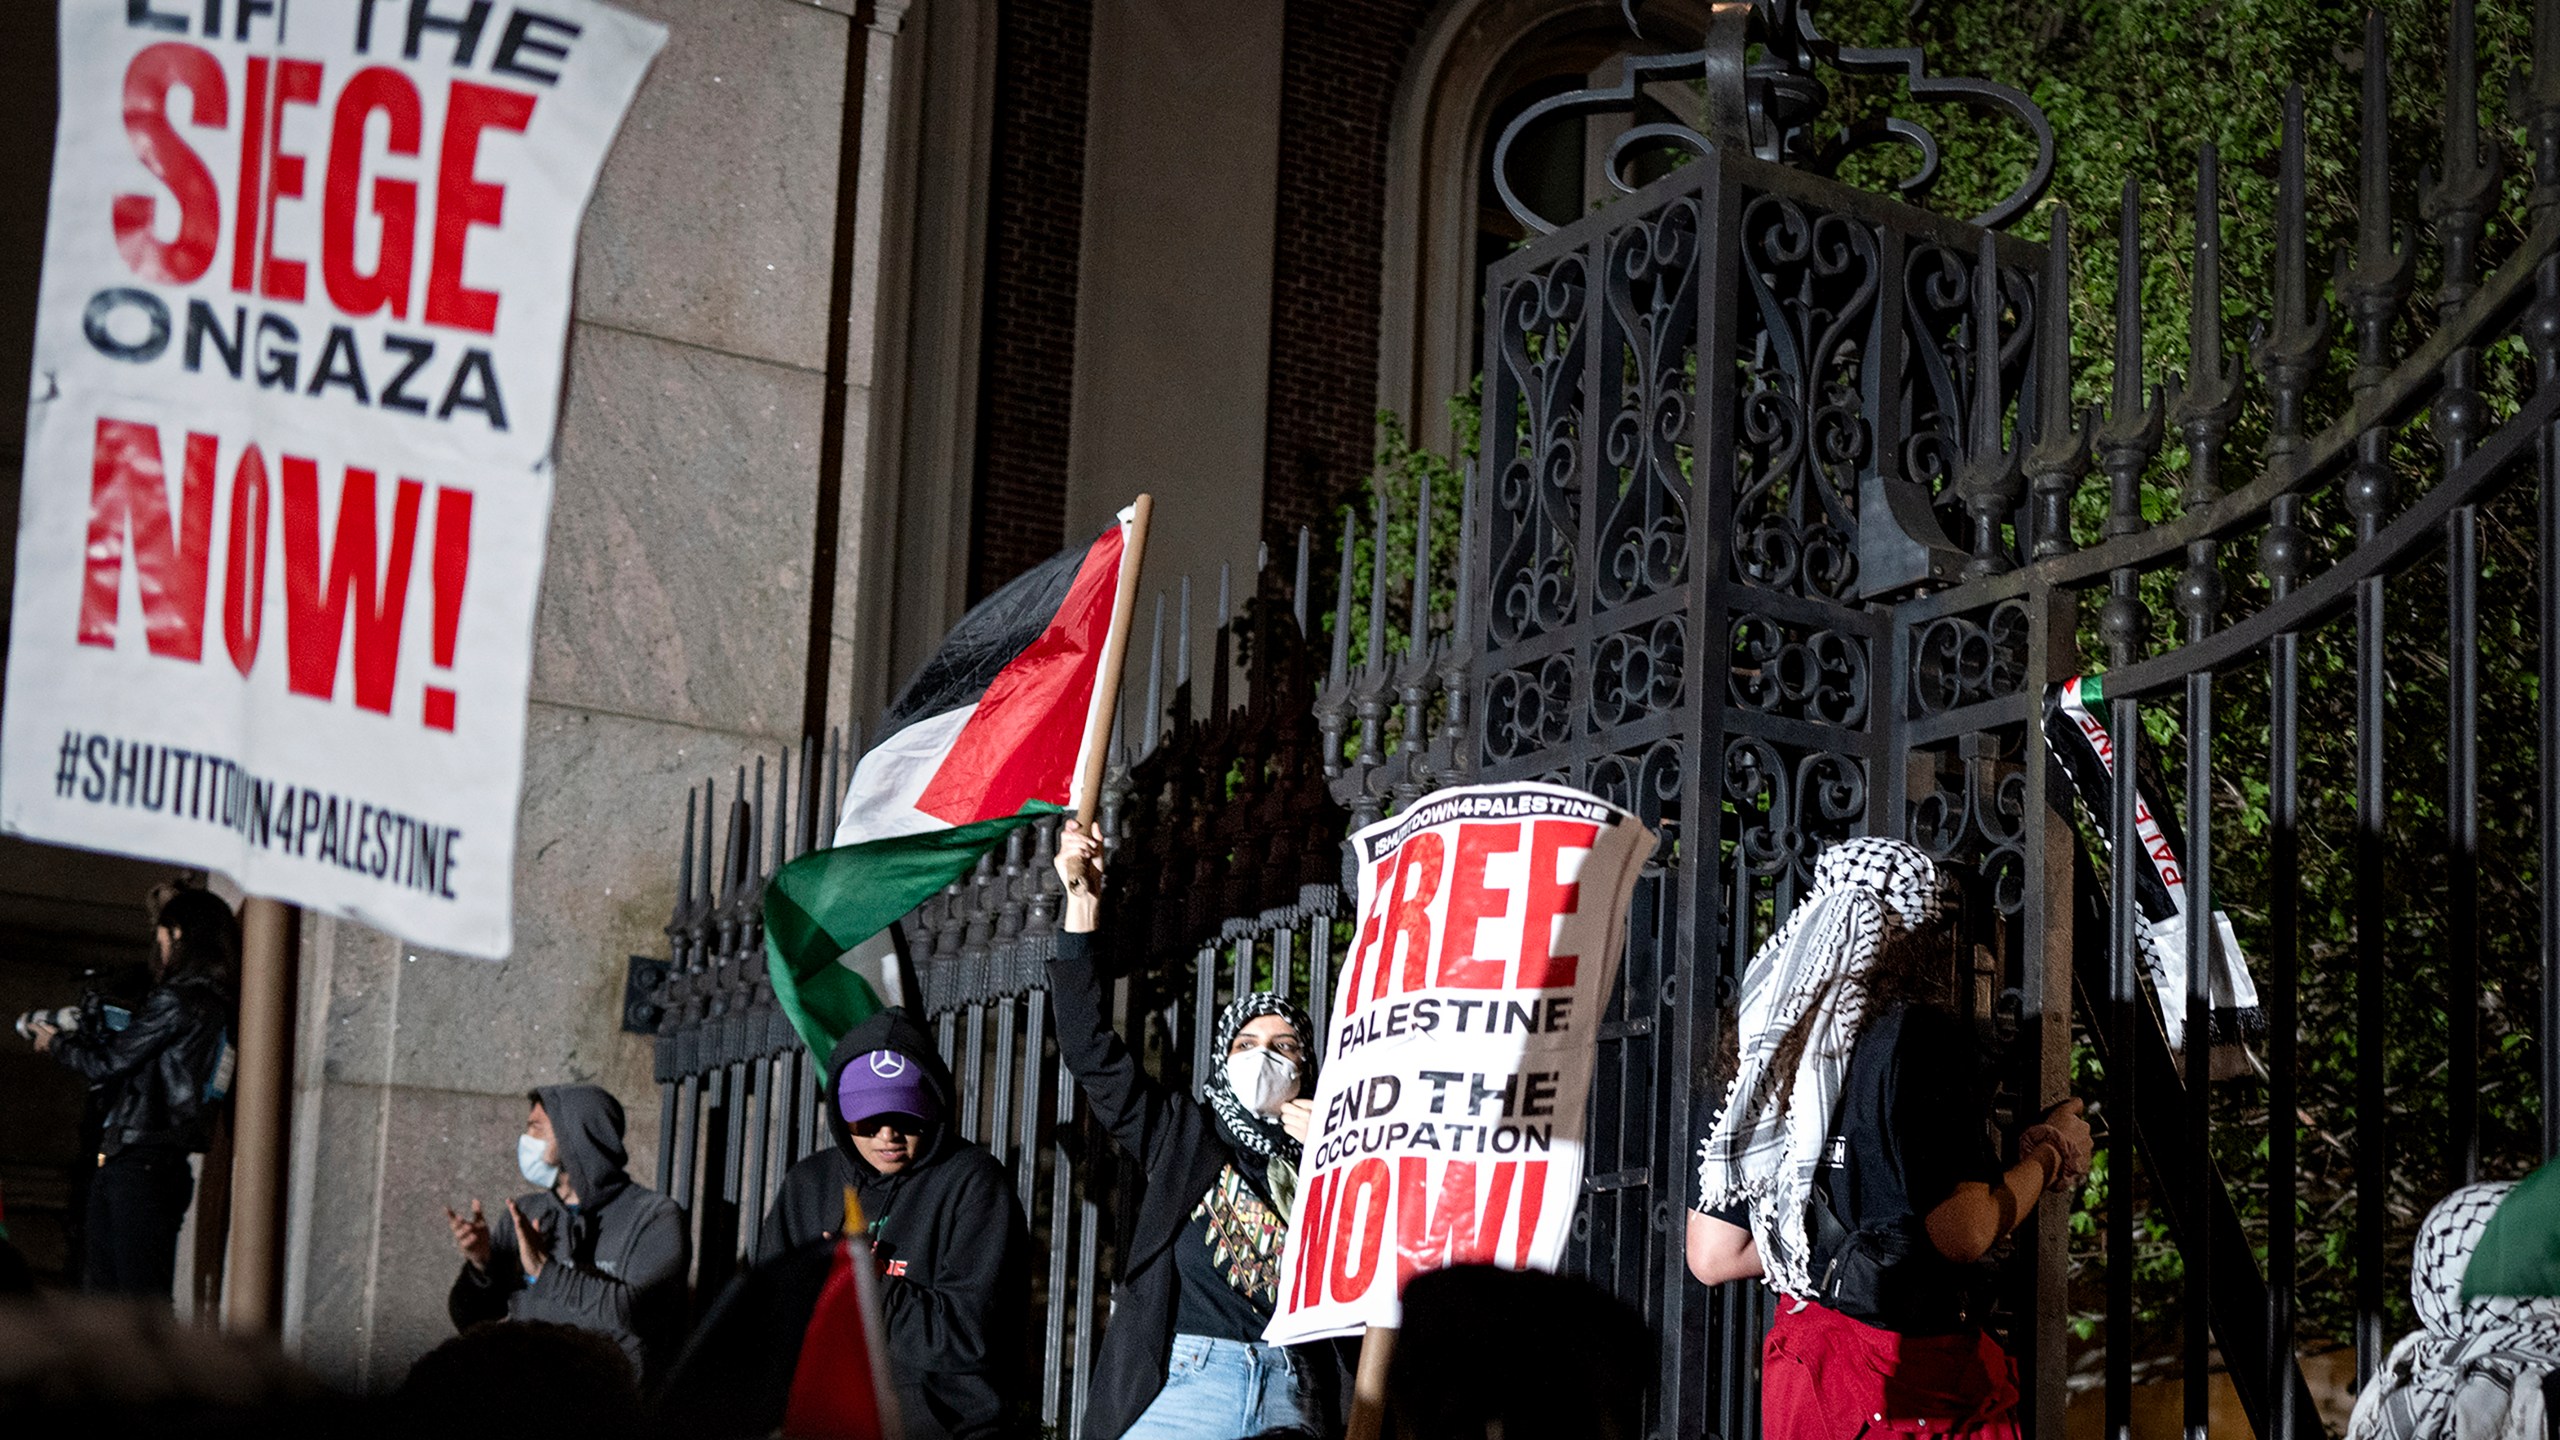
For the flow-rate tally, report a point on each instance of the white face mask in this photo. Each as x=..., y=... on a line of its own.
x=1263, y=1079
x=536, y=1170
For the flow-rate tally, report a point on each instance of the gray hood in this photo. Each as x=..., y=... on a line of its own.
x=588, y=1121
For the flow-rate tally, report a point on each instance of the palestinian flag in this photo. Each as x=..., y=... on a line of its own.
x=841, y=1387
x=991, y=733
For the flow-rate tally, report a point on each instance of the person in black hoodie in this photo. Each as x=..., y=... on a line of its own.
x=160, y=1078
x=589, y=1248
x=1183, y=1355
x=945, y=1230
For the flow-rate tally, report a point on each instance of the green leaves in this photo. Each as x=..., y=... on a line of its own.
x=2133, y=88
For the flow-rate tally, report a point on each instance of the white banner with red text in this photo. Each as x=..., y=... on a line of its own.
x=1449, y=1111
x=297, y=371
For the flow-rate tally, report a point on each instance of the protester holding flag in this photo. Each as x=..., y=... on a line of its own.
x=588, y=1248
x=1002, y=725
x=940, y=1212
x=1852, y=1166
x=1006, y=722
x=1183, y=1356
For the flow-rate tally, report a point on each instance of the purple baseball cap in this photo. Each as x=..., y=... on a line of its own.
x=885, y=1082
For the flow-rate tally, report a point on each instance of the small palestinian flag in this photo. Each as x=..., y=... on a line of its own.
x=841, y=1387
x=990, y=734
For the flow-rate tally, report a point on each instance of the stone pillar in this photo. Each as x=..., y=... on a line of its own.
x=918, y=273
x=670, y=645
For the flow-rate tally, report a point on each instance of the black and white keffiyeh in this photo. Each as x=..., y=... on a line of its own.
x=1258, y=1137
x=1255, y=1134
x=1769, y=1138
x=2469, y=1372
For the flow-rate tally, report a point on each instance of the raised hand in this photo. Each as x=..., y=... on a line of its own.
x=531, y=1248
x=470, y=1235
x=1079, y=860
x=1080, y=870
x=1294, y=1118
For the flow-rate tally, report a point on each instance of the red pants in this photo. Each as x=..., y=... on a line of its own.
x=1824, y=1376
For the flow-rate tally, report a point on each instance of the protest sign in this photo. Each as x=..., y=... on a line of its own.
x=1449, y=1112
x=297, y=368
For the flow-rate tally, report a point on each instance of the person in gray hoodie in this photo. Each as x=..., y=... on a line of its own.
x=589, y=1248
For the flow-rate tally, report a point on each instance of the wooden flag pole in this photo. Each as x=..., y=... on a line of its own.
x=1115, y=646
x=1369, y=1386
x=261, y=1116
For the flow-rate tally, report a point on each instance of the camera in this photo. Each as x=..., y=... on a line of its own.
x=67, y=1018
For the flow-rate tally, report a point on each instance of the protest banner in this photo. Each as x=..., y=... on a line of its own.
x=1449, y=1113
x=297, y=370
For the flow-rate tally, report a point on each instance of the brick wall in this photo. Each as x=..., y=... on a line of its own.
x=1035, y=225
x=1337, y=89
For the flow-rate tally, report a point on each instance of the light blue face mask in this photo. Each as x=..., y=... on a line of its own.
x=536, y=1170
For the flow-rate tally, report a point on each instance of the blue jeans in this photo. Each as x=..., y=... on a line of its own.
x=1226, y=1390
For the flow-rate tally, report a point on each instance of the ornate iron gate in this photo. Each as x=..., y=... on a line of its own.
x=1777, y=545
x=1773, y=541
x=1700, y=653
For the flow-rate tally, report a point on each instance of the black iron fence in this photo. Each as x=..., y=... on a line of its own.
x=1830, y=440
x=1779, y=536
x=1226, y=864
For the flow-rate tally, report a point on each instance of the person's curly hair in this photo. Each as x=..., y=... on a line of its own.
x=1912, y=967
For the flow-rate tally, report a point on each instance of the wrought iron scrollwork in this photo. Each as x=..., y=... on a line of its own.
x=1810, y=283
x=1975, y=814
x=1636, y=673
x=1647, y=784
x=1962, y=660
x=1529, y=709
x=1789, y=809
x=1652, y=292
x=1798, y=672
x=1537, y=498
x=1756, y=66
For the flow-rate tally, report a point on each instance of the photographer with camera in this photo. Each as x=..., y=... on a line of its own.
x=161, y=1078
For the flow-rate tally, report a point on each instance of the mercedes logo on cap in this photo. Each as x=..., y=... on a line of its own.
x=888, y=1065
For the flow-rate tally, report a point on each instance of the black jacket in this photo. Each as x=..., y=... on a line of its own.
x=160, y=1066
x=951, y=1235
x=618, y=1256
x=1179, y=1147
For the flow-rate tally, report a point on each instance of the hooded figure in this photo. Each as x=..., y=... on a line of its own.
x=1201, y=1274
x=2471, y=1371
x=617, y=1252
x=947, y=1233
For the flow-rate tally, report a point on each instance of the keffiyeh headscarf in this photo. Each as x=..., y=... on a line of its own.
x=1248, y=1224
x=2469, y=1372
x=1256, y=1134
x=1769, y=1138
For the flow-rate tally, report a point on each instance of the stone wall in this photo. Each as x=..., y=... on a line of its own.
x=1106, y=247
x=669, y=645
